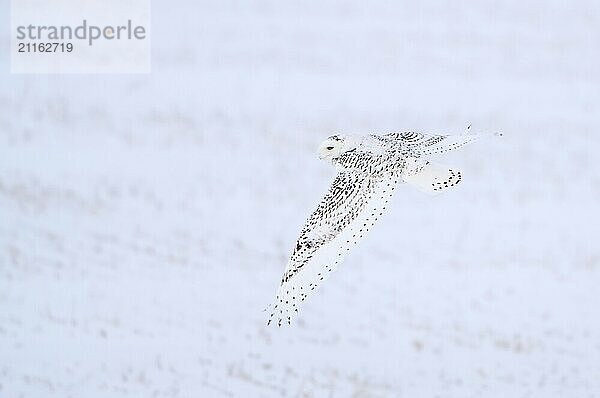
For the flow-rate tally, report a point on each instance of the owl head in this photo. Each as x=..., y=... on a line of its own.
x=334, y=146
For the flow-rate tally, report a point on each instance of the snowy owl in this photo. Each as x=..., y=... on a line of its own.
x=368, y=170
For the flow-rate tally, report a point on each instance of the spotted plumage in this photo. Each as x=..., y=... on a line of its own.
x=369, y=168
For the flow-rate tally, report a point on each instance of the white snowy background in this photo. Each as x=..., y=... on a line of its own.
x=145, y=220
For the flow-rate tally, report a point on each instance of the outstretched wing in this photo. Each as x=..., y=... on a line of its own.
x=430, y=144
x=354, y=202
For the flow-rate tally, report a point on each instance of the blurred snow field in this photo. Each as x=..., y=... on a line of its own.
x=145, y=220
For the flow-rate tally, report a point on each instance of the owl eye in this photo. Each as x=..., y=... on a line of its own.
x=329, y=148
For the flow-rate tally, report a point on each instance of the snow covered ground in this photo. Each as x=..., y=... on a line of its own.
x=145, y=220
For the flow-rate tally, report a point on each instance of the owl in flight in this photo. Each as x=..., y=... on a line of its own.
x=369, y=168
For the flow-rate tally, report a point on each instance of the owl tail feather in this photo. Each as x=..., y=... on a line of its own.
x=433, y=178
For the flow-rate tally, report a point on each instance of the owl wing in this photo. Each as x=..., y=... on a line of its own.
x=354, y=202
x=431, y=144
